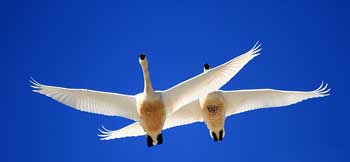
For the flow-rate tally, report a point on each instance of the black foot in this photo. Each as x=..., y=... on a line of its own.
x=160, y=139
x=221, y=135
x=149, y=141
x=214, y=137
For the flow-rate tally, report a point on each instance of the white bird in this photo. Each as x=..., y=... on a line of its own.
x=216, y=106
x=149, y=108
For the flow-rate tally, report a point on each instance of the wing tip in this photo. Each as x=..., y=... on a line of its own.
x=35, y=85
x=255, y=51
x=323, y=90
x=105, y=134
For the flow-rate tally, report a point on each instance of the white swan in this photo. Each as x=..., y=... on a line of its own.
x=216, y=106
x=150, y=107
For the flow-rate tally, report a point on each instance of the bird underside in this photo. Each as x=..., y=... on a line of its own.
x=152, y=119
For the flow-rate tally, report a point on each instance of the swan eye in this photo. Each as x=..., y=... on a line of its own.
x=142, y=56
x=206, y=66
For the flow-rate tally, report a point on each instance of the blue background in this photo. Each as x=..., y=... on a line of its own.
x=95, y=45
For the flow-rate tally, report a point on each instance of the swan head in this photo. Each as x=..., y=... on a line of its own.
x=142, y=56
x=206, y=67
x=143, y=59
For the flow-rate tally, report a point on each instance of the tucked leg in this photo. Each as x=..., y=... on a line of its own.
x=221, y=135
x=160, y=139
x=214, y=136
x=149, y=141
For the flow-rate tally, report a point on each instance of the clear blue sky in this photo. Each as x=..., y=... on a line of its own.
x=95, y=45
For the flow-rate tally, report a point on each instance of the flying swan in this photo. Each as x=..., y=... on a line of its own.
x=214, y=107
x=149, y=108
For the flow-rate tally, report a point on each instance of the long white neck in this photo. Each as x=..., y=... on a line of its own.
x=147, y=80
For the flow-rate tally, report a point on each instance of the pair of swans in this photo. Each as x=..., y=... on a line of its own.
x=194, y=100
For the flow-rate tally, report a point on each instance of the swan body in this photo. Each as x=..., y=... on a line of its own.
x=214, y=113
x=213, y=108
x=149, y=108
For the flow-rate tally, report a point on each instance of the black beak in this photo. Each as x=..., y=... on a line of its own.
x=142, y=56
x=206, y=66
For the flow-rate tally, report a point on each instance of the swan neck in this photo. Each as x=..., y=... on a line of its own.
x=147, y=80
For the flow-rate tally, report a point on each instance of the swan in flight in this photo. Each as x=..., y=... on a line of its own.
x=149, y=108
x=215, y=107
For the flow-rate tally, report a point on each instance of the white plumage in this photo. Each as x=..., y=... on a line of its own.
x=236, y=102
x=246, y=100
x=136, y=107
x=105, y=103
x=208, y=82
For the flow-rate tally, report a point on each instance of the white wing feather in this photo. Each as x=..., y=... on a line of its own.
x=192, y=89
x=131, y=130
x=246, y=100
x=111, y=104
x=188, y=114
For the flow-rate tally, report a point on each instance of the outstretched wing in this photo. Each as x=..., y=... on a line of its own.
x=246, y=100
x=188, y=114
x=111, y=104
x=192, y=89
